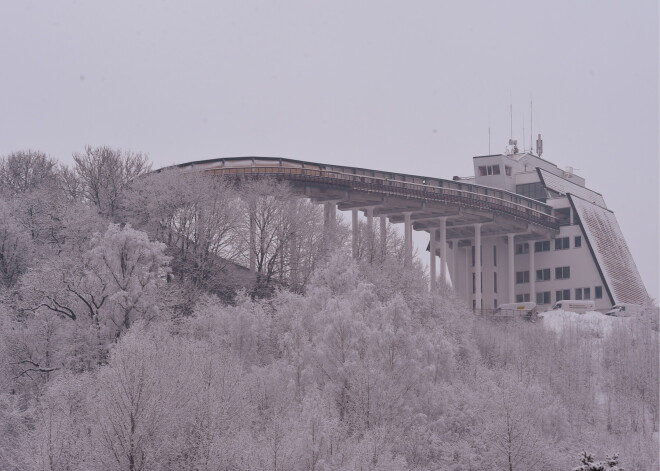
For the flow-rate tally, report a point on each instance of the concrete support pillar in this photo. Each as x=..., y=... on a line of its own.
x=450, y=265
x=370, y=233
x=370, y=218
x=329, y=214
x=443, y=250
x=453, y=273
x=383, y=237
x=432, y=250
x=252, y=254
x=469, y=295
x=532, y=274
x=356, y=233
x=408, y=238
x=511, y=267
x=477, y=264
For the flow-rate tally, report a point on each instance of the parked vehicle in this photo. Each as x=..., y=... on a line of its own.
x=573, y=305
x=625, y=310
x=526, y=310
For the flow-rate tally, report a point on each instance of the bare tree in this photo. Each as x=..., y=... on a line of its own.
x=280, y=235
x=24, y=171
x=104, y=173
x=197, y=221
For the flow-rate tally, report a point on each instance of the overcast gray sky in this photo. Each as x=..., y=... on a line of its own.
x=402, y=86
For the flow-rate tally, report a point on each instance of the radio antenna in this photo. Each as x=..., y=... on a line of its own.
x=511, y=113
x=523, y=141
x=488, y=133
x=531, y=122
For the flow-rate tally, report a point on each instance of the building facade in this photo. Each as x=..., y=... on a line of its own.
x=588, y=259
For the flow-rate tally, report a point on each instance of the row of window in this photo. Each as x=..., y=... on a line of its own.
x=474, y=283
x=493, y=170
x=561, y=243
x=481, y=255
x=562, y=294
x=561, y=273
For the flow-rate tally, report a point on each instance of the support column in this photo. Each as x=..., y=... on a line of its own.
x=408, y=238
x=370, y=233
x=512, y=267
x=443, y=250
x=383, y=237
x=450, y=265
x=477, y=264
x=329, y=214
x=468, y=277
x=453, y=273
x=356, y=233
x=532, y=274
x=432, y=250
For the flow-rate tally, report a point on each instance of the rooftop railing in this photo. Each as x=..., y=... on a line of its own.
x=447, y=191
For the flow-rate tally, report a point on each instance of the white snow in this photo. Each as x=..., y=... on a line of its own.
x=593, y=322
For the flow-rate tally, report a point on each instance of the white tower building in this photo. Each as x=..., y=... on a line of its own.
x=588, y=259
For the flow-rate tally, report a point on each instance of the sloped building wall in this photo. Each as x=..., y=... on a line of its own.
x=610, y=251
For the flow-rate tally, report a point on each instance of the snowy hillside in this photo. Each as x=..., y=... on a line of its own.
x=597, y=323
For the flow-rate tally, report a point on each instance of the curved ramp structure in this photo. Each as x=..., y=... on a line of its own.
x=392, y=194
x=520, y=213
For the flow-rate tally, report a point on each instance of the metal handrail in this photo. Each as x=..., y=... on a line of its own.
x=524, y=207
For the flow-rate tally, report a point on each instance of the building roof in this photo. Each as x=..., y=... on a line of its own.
x=610, y=252
x=563, y=186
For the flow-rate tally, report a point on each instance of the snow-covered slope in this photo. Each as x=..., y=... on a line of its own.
x=596, y=323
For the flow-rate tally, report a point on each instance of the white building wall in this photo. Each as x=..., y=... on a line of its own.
x=583, y=271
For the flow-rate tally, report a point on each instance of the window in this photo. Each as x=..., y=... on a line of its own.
x=507, y=170
x=522, y=277
x=564, y=216
x=562, y=243
x=582, y=293
x=543, y=298
x=560, y=295
x=489, y=170
x=474, y=283
x=598, y=291
x=543, y=275
x=522, y=248
x=495, y=304
x=532, y=190
x=494, y=255
x=522, y=298
x=562, y=273
x=578, y=241
x=473, y=251
x=494, y=282
x=542, y=246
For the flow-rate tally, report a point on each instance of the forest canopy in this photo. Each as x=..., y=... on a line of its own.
x=134, y=336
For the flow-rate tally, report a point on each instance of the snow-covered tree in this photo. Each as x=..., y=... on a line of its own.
x=103, y=173
x=589, y=463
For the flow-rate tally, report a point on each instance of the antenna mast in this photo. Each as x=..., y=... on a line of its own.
x=488, y=134
x=531, y=122
x=511, y=114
